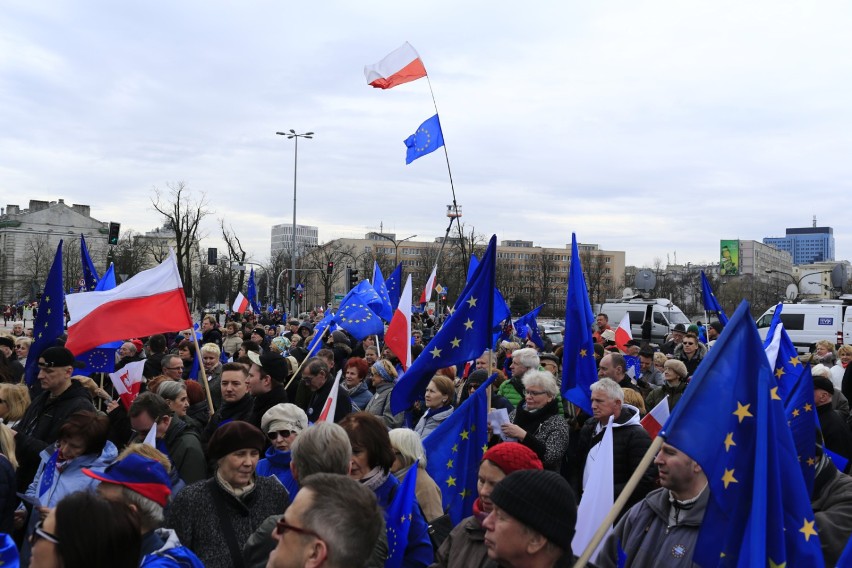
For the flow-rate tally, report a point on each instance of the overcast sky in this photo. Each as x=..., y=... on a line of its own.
x=651, y=127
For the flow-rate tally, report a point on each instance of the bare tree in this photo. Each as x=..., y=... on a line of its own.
x=316, y=263
x=183, y=214
x=72, y=264
x=129, y=255
x=36, y=262
x=235, y=250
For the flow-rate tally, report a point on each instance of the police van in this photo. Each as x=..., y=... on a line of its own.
x=661, y=312
x=812, y=320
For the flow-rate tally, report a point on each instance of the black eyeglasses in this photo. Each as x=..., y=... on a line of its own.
x=40, y=533
x=174, y=368
x=690, y=343
x=273, y=435
x=282, y=526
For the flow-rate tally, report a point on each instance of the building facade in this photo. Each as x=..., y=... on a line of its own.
x=282, y=238
x=806, y=245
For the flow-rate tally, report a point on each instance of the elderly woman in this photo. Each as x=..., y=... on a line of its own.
x=233, y=338
x=22, y=349
x=674, y=372
x=537, y=423
x=211, y=357
x=382, y=374
x=215, y=517
x=465, y=546
x=407, y=449
x=14, y=401
x=280, y=345
x=438, y=398
x=523, y=360
x=844, y=356
x=281, y=423
x=174, y=393
x=354, y=374
x=823, y=353
x=372, y=458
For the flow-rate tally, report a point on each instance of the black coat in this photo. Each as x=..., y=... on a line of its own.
x=264, y=402
x=835, y=433
x=344, y=404
x=240, y=410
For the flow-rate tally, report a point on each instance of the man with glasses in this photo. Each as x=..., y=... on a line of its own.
x=691, y=352
x=173, y=367
x=60, y=398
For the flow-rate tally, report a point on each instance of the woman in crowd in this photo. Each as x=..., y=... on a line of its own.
x=211, y=359
x=844, y=356
x=214, y=517
x=634, y=398
x=8, y=484
x=465, y=546
x=674, y=372
x=407, y=449
x=199, y=409
x=22, y=349
x=186, y=352
x=282, y=424
x=174, y=393
x=280, y=345
x=383, y=375
x=823, y=353
x=354, y=374
x=371, y=355
x=438, y=398
x=372, y=458
x=110, y=535
x=537, y=422
x=14, y=401
x=522, y=360
x=233, y=339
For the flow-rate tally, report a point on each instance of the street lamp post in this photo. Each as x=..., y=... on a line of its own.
x=290, y=135
x=796, y=281
x=395, y=245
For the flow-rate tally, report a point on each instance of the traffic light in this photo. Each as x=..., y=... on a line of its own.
x=330, y=268
x=300, y=296
x=353, y=278
x=212, y=256
x=292, y=292
x=113, y=233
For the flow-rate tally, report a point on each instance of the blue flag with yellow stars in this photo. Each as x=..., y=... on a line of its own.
x=50, y=322
x=90, y=274
x=711, y=304
x=527, y=327
x=357, y=312
x=386, y=310
x=464, y=336
x=251, y=293
x=471, y=267
x=731, y=421
x=399, y=517
x=578, y=356
x=425, y=140
x=101, y=359
x=393, y=284
x=454, y=450
x=319, y=329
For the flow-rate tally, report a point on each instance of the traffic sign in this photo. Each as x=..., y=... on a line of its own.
x=300, y=287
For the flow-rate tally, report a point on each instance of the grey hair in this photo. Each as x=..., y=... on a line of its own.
x=170, y=390
x=608, y=387
x=166, y=358
x=358, y=519
x=543, y=379
x=150, y=512
x=322, y=448
x=407, y=442
x=527, y=357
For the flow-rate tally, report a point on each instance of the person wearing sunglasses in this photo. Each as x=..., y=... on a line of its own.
x=281, y=424
x=691, y=352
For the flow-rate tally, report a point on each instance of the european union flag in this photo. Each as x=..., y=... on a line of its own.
x=425, y=140
x=386, y=312
x=711, y=304
x=471, y=268
x=320, y=327
x=50, y=322
x=394, y=286
x=463, y=337
x=251, y=293
x=578, y=356
x=90, y=274
x=454, y=450
x=399, y=517
x=527, y=327
x=502, y=313
x=357, y=312
x=845, y=560
x=731, y=421
x=101, y=359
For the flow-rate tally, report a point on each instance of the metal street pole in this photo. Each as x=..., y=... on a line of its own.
x=290, y=135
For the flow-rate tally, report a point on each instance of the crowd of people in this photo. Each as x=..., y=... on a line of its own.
x=222, y=459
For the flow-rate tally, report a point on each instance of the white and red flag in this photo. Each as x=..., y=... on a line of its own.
x=330, y=406
x=400, y=66
x=426, y=295
x=151, y=302
x=127, y=382
x=398, y=334
x=656, y=419
x=623, y=334
x=240, y=303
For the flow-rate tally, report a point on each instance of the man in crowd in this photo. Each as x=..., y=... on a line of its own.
x=127, y=353
x=650, y=374
x=663, y=528
x=601, y=325
x=266, y=379
x=691, y=352
x=317, y=377
x=156, y=350
x=236, y=401
x=613, y=366
x=210, y=331
x=7, y=348
x=713, y=331
x=677, y=337
x=172, y=367
x=835, y=432
x=18, y=329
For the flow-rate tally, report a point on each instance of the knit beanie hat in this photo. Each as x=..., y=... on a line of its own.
x=512, y=456
x=234, y=436
x=541, y=500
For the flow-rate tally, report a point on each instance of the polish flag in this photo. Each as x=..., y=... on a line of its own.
x=330, y=406
x=401, y=66
x=240, y=303
x=430, y=285
x=597, y=499
x=623, y=333
x=127, y=382
x=398, y=335
x=151, y=302
x=656, y=419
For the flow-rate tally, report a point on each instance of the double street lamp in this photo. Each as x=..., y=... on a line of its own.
x=290, y=135
x=797, y=281
x=396, y=244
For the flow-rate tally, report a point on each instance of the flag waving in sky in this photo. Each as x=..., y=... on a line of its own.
x=426, y=139
x=398, y=335
x=386, y=310
x=400, y=66
x=357, y=312
x=394, y=285
x=50, y=321
x=90, y=274
x=251, y=292
x=526, y=327
x=711, y=304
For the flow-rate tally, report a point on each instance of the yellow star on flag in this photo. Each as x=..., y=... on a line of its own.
x=774, y=565
x=729, y=441
x=808, y=407
x=795, y=412
x=742, y=412
x=468, y=324
x=808, y=530
x=472, y=302
x=450, y=464
x=779, y=372
x=728, y=478
x=774, y=394
x=455, y=342
x=484, y=448
x=451, y=482
x=582, y=352
x=795, y=361
x=464, y=493
x=435, y=353
x=464, y=434
x=455, y=448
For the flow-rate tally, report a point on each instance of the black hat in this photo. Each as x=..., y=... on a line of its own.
x=717, y=325
x=550, y=357
x=824, y=383
x=679, y=328
x=633, y=342
x=7, y=341
x=273, y=364
x=59, y=357
x=542, y=500
x=234, y=436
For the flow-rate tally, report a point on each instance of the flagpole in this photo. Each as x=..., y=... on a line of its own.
x=203, y=374
x=308, y=356
x=620, y=502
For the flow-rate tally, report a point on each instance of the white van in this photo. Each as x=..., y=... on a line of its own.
x=663, y=315
x=810, y=321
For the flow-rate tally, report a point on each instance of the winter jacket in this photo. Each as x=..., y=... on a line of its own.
x=231, y=344
x=229, y=411
x=214, y=383
x=429, y=421
x=419, y=551
x=426, y=491
x=380, y=406
x=277, y=463
x=653, y=377
x=647, y=539
x=658, y=394
x=39, y=427
x=835, y=432
x=194, y=516
x=318, y=398
x=360, y=395
x=169, y=553
x=186, y=452
x=547, y=432
x=630, y=442
x=464, y=547
x=691, y=364
x=264, y=402
x=8, y=499
x=832, y=505
x=513, y=391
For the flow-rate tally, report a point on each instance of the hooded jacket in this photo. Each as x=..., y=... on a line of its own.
x=171, y=554
x=380, y=406
x=691, y=364
x=277, y=463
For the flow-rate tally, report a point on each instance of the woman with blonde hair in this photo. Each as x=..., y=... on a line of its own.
x=8, y=465
x=407, y=449
x=14, y=401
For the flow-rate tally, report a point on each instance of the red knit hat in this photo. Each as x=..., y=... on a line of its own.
x=512, y=456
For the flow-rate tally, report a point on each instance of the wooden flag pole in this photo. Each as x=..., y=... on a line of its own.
x=203, y=373
x=621, y=501
x=308, y=356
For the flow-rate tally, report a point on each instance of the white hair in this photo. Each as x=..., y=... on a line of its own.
x=542, y=379
x=610, y=388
